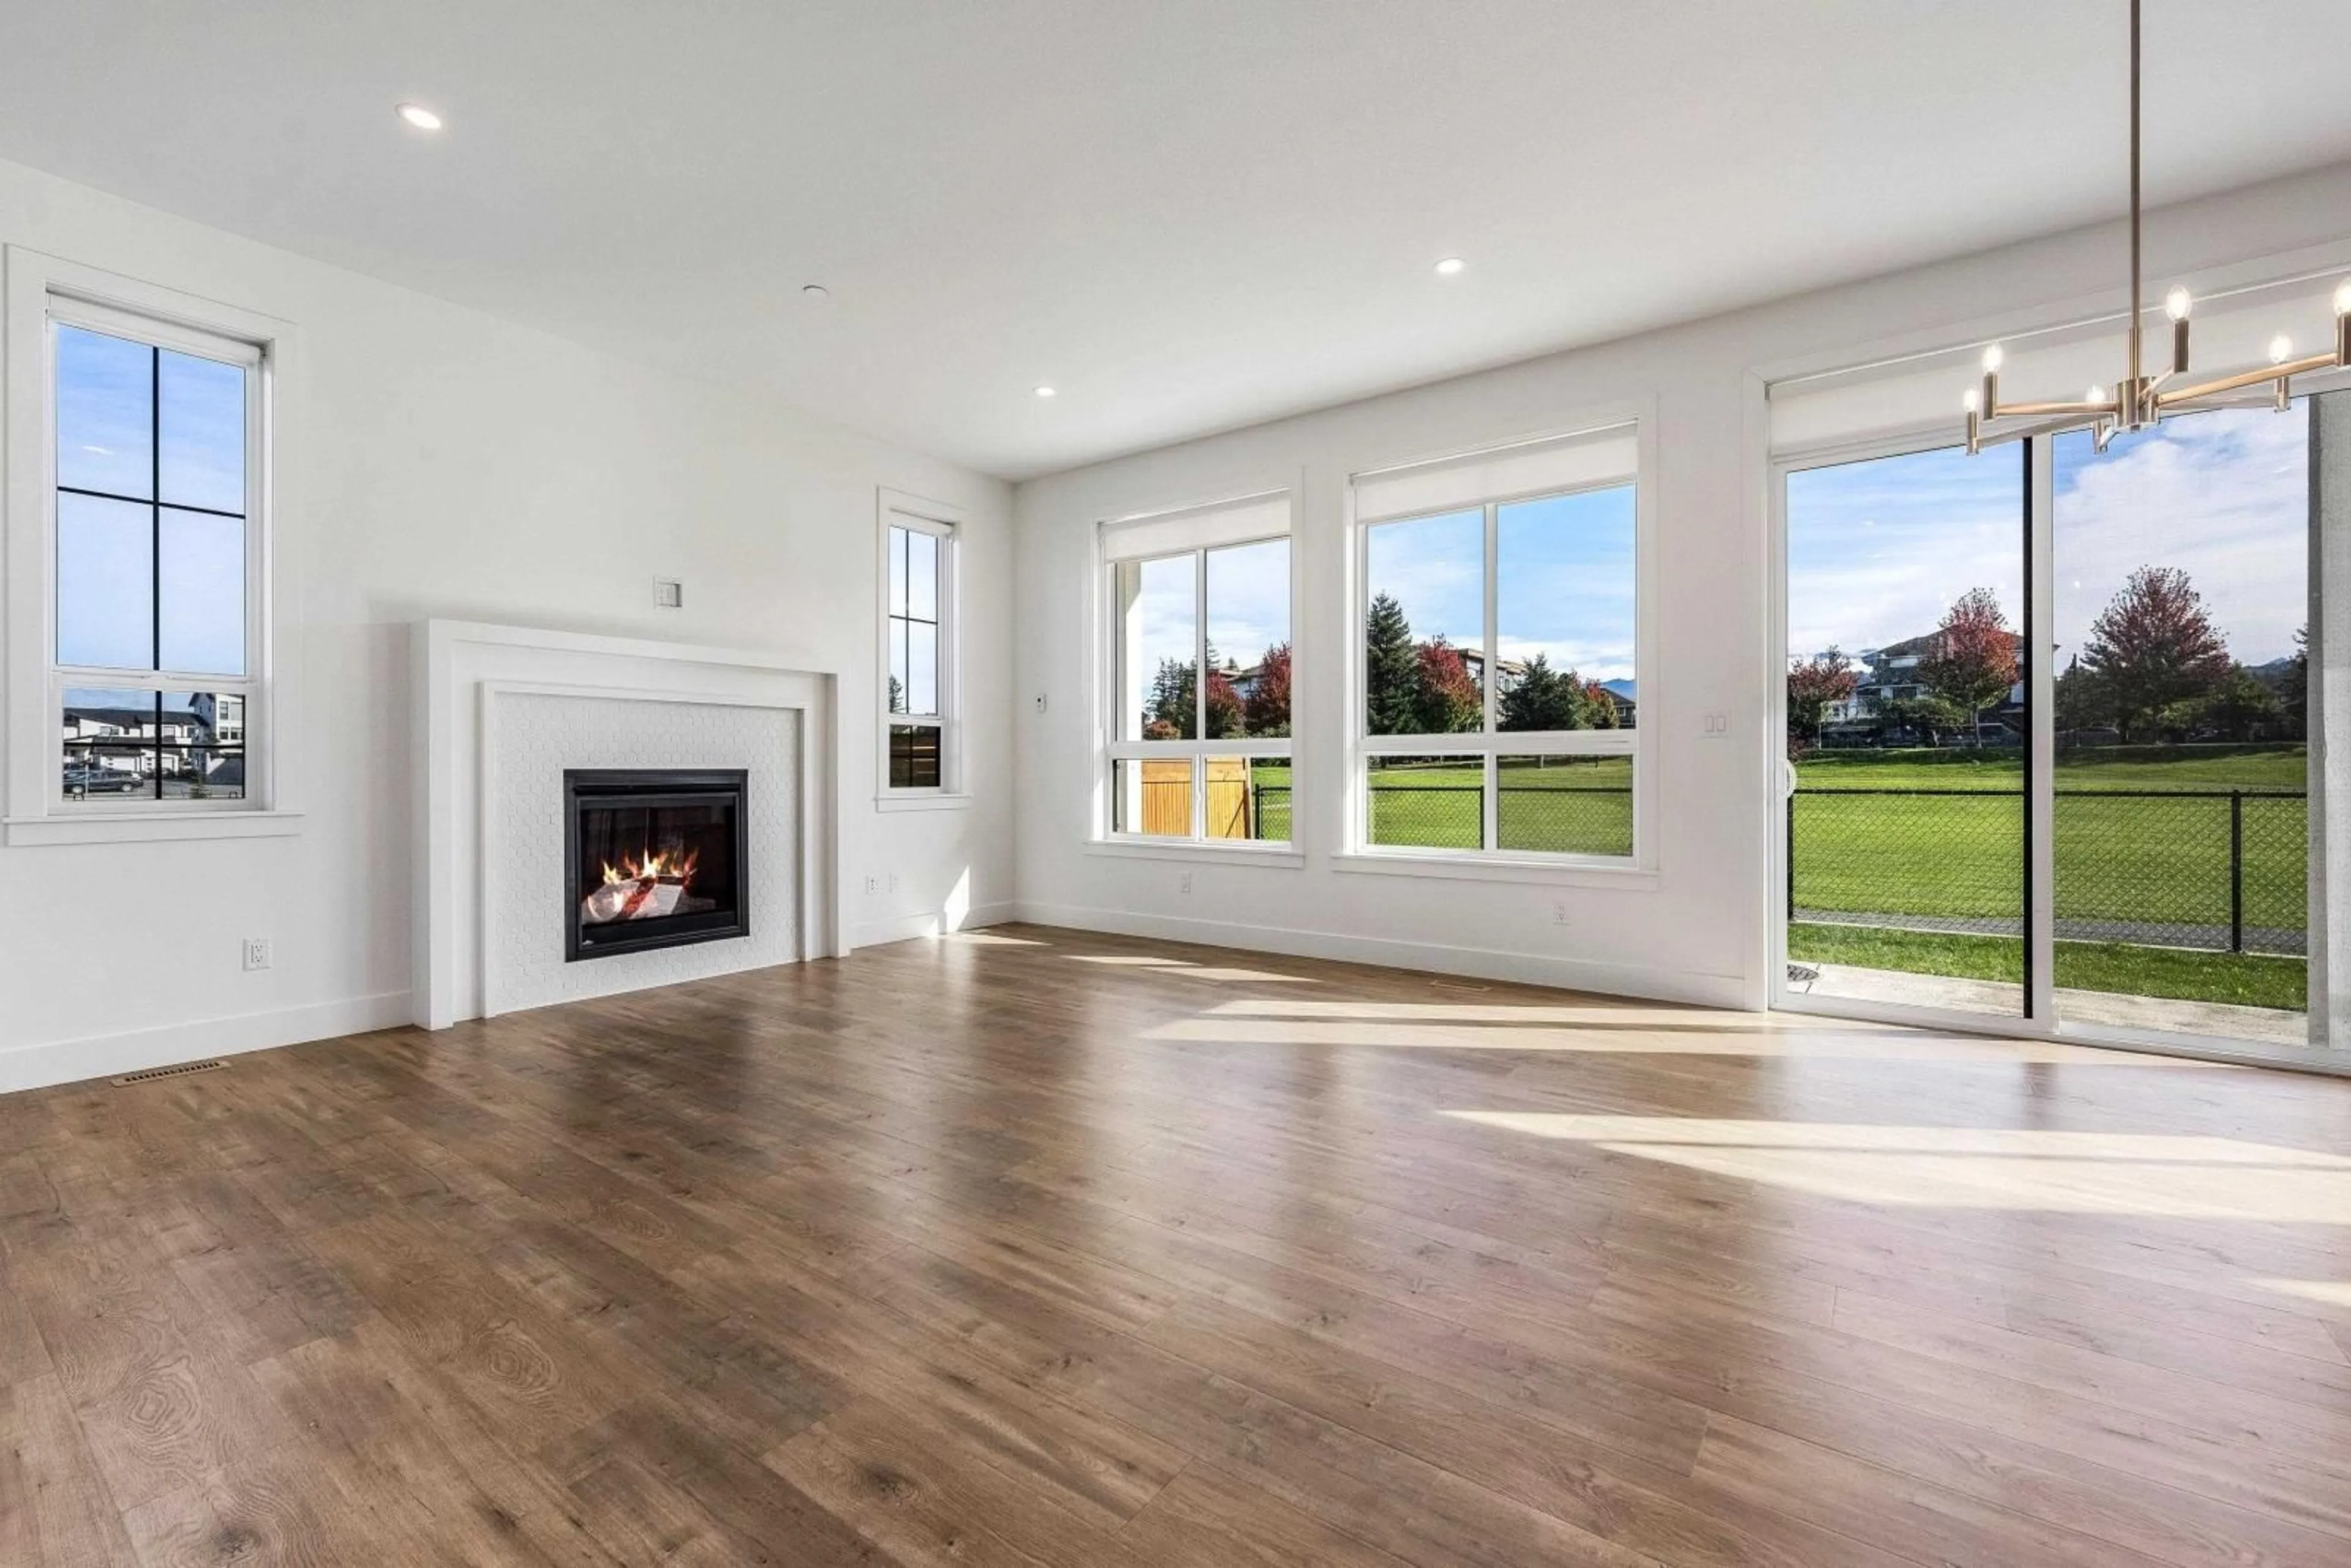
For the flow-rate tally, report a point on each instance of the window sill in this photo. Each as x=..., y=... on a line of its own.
x=910, y=800
x=147, y=827
x=1626, y=878
x=1279, y=855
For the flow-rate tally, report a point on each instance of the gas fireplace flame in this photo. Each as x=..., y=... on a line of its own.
x=645, y=886
x=654, y=865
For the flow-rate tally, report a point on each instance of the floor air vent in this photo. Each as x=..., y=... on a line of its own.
x=182, y=1071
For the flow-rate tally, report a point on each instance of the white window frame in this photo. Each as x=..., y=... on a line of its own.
x=1639, y=743
x=946, y=524
x=1109, y=751
x=42, y=291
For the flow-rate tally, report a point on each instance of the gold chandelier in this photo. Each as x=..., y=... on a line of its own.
x=2140, y=400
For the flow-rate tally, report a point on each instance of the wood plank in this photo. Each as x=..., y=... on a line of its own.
x=1071, y=1248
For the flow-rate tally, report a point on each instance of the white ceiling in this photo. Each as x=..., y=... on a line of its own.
x=1185, y=214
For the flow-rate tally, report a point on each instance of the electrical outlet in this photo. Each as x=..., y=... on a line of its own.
x=872, y=884
x=1559, y=915
x=669, y=594
x=1183, y=883
x=1041, y=702
x=256, y=952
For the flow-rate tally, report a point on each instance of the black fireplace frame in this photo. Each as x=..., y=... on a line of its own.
x=655, y=787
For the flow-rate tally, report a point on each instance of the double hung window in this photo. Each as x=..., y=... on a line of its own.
x=1199, y=677
x=918, y=625
x=1498, y=698
x=154, y=555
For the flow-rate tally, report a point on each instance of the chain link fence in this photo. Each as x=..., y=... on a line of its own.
x=2223, y=869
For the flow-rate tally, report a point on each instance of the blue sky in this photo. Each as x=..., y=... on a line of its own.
x=1878, y=550
x=1248, y=604
x=1564, y=579
x=107, y=549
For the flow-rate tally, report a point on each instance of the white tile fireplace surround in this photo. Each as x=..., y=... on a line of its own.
x=507, y=710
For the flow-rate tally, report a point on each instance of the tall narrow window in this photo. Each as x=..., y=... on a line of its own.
x=155, y=557
x=918, y=619
x=1199, y=675
x=1497, y=662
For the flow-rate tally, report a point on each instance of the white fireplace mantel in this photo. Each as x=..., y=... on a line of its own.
x=466, y=671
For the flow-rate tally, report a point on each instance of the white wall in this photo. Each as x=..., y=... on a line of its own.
x=1699, y=929
x=435, y=460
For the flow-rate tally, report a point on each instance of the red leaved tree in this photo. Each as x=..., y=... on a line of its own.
x=1974, y=657
x=2154, y=645
x=1268, y=708
x=1813, y=684
x=1448, y=699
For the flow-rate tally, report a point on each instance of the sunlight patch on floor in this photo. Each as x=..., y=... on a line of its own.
x=1191, y=971
x=2155, y=1176
x=987, y=939
x=2331, y=1293
x=1631, y=1031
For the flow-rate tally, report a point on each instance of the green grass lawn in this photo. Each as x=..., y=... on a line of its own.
x=2160, y=861
x=2246, y=979
x=2118, y=857
x=1556, y=806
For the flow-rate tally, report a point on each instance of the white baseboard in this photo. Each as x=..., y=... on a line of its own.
x=134, y=1051
x=907, y=927
x=1484, y=963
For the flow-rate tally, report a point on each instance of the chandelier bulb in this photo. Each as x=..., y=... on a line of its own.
x=2343, y=298
x=2097, y=394
x=1971, y=401
x=2177, y=304
x=2280, y=348
x=1991, y=360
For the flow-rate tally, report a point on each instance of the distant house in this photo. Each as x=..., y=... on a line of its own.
x=1890, y=674
x=124, y=738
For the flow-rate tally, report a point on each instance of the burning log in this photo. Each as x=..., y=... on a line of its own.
x=638, y=898
x=643, y=889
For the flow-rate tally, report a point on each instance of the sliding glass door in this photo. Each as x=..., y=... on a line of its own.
x=2049, y=714
x=2181, y=560
x=1908, y=731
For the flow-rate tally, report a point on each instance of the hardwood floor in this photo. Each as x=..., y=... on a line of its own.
x=1037, y=1247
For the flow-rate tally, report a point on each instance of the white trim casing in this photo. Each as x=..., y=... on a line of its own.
x=946, y=523
x=459, y=665
x=41, y=288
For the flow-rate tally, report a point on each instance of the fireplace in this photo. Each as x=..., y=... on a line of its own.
x=652, y=859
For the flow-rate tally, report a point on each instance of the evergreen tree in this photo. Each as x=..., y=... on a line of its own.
x=1391, y=670
x=2243, y=709
x=2083, y=700
x=1171, y=711
x=1545, y=699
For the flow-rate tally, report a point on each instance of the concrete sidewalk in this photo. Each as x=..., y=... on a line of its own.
x=2226, y=1021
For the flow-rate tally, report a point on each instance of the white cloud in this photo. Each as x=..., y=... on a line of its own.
x=2221, y=496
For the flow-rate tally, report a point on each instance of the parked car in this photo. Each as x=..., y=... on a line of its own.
x=98, y=781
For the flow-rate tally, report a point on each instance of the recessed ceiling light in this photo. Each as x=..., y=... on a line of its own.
x=815, y=291
x=1047, y=392
x=1449, y=265
x=417, y=115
